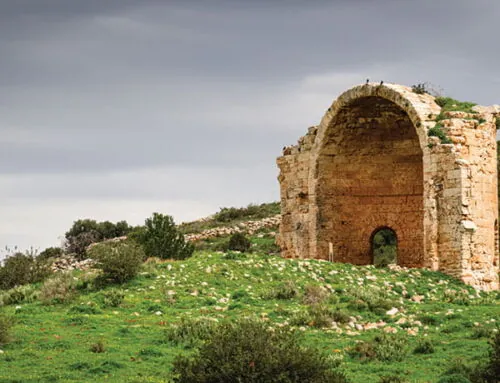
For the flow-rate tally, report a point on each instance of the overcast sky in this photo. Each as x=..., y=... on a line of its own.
x=113, y=109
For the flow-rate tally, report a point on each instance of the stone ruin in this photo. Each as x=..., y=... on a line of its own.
x=370, y=164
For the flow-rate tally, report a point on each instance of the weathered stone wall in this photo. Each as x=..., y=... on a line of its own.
x=370, y=164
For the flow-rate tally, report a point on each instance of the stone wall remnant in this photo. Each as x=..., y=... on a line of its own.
x=370, y=164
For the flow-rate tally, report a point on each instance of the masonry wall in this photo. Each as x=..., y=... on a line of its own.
x=370, y=164
x=370, y=177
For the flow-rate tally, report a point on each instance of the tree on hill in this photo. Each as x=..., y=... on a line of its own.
x=87, y=231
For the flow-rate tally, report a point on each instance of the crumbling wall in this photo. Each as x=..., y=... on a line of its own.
x=370, y=164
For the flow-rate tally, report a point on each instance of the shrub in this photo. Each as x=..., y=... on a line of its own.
x=285, y=290
x=190, y=331
x=497, y=123
x=324, y=316
x=160, y=238
x=112, y=298
x=6, y=324
x=238, y=242
x=19, y=294
x=250, y=212
x=230, y=255
x=419, y=88
x=429, y=319
x=392, y=379
x=119, y=261
x=87, y=231
x=373, y=299
x=58, y=289
x=21, y=269
x=454, y=378
x=250, y=352
x=481, y=332
x=78, y=244
x=98, y=348
x=384, y=347
x=51, y=252
x=314, y=294
x=88, y=309
x=491, y=371
x=424, y=347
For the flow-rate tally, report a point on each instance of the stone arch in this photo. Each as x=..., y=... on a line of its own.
x=371, y=129
x=444, y=216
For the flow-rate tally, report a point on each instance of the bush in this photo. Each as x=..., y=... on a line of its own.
x=6, y=324
x=284, y=291
x=97, y=348
x=232, y=256
x=392, y=379
x=160, y=238
x=112, y=298
x=238, y=242
x=454, y=378
x=51, y=252
x=314, y=294
x=374, y=299
x=58, y=289
x=424, y=347
x=491, y=371
x=429, y=319
x=250, y=352
x=119, y=261
x=324, y=316
x=18, y=295
x=21, y=269
x=481, y=332
x=420, y=88
x=190, y=332
x=250, y=212
x=84, y=232
x=384, y=347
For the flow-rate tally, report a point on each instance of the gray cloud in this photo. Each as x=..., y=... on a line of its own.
x=133, y=102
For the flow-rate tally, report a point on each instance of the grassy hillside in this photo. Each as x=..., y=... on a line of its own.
x=338, y=308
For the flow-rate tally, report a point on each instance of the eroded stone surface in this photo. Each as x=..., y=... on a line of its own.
x=370, y=164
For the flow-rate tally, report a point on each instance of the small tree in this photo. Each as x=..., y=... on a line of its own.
x=84, y=232
x=160, y=238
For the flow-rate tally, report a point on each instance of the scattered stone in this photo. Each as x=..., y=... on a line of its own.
x=392, y=311
x=417, y=298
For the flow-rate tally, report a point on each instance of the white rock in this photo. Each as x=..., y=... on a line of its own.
x=392, y=311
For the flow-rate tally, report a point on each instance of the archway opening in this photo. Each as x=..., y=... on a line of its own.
x=384, y=245
x=369, y=175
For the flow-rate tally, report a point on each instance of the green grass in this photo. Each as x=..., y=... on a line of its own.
x=58, y=343
x=448, y=104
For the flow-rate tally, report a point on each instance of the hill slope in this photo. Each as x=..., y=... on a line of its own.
x=335, y=306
